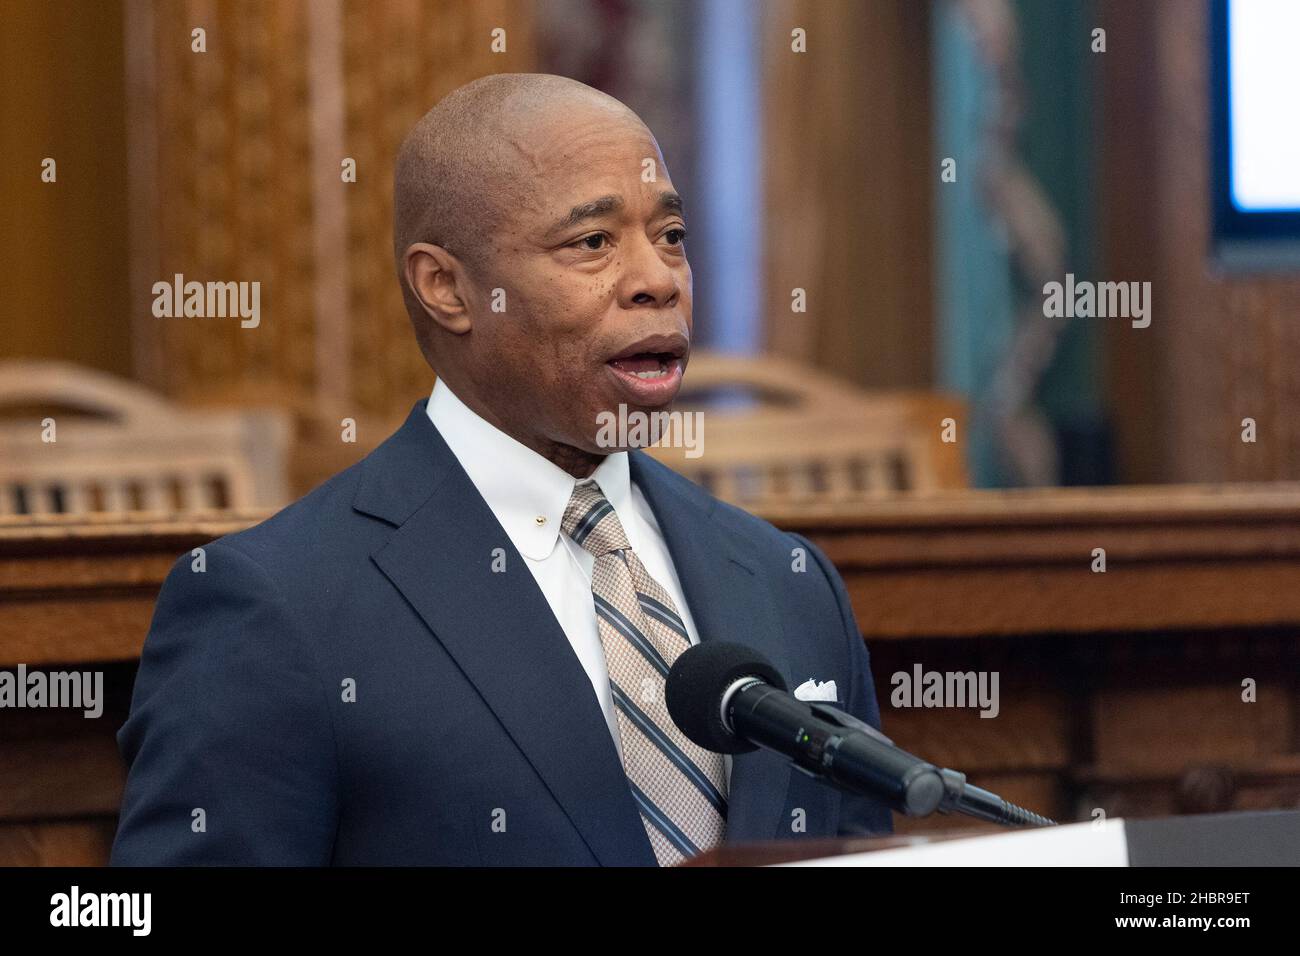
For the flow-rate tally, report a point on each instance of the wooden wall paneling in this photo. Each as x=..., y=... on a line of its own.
x=57, y=843
x=848, y=181
x=64, y=288
x=1190, y=724
x=250, y=138
x=1221, y=346
x=325, y=81
x=399, y=60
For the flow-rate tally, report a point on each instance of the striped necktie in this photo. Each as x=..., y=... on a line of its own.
x=677, y=785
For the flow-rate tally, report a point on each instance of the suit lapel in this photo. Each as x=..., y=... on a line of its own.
x=729, y=603
x=500, y=630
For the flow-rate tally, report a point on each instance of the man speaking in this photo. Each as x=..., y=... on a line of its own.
x=453, y=652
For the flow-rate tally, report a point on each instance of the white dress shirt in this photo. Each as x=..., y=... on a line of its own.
x=528, y=495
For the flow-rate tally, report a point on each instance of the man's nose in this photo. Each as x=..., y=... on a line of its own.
x=647, y=278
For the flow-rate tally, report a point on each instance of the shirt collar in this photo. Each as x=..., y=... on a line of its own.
x=527, y=493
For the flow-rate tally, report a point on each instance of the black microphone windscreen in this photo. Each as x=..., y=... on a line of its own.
x=697, y=682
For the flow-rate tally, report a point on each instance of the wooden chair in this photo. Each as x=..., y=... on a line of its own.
x=778, y=434
x=119, y=448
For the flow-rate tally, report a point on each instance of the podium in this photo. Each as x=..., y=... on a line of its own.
x=1269, y=838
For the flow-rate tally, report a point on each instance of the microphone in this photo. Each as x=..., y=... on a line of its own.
x=728, y=699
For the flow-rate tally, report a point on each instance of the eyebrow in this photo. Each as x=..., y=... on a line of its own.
x=669, y=201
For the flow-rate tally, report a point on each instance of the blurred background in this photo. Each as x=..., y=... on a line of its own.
x=819, y=171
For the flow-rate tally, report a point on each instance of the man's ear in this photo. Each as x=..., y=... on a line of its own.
x=437, y=280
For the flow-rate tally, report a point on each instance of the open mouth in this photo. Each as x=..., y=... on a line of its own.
x=645, y=365
x=649, y=372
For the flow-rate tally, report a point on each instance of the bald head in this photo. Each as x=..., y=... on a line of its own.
x=461, y=164
x=539, y=243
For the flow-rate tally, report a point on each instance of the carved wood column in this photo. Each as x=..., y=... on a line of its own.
x=236, y=176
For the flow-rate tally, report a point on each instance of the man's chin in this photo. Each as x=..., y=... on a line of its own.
x=626, y=427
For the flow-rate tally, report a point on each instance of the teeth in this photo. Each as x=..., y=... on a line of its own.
x=657, y=373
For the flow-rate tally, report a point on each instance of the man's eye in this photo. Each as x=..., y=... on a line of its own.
x=679, y=232
x=595, y=242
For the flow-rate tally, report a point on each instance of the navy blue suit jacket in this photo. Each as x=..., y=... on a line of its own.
x=474, y=736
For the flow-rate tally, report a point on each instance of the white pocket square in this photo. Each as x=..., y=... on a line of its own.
x=817, y=690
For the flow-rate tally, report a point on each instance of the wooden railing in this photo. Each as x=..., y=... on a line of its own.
x=1169, y=682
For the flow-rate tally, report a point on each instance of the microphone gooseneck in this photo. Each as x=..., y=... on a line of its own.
x=726, y=698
